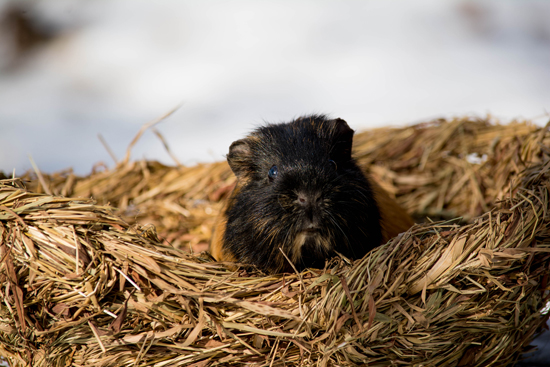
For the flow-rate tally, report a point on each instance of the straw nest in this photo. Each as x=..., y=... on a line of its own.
x=97, y=270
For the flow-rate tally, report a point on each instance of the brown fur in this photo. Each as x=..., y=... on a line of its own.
x=393, y=218
x=216, y=243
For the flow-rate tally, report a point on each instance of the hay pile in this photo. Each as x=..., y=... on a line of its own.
x=89, y=282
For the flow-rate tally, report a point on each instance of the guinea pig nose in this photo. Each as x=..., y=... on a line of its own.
x=306, y=199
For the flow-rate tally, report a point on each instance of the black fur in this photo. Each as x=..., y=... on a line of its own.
x=318, y=186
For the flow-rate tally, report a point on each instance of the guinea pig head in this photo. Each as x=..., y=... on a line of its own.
x=299, y=192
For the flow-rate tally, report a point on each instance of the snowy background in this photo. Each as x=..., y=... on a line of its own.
x=70, y=70
x=108, y=67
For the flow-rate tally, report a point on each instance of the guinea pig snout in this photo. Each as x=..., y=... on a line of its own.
x=309, y=204
x=307, y=199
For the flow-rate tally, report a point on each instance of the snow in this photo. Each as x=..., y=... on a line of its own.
x=235, y=64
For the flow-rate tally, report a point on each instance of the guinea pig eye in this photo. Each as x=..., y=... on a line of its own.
x=272, y=174
x=333, y=164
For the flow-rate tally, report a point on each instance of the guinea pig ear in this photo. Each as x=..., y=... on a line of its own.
x=239, y=156
x=343, y=139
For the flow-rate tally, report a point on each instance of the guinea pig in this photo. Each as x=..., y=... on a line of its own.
x=299, y=190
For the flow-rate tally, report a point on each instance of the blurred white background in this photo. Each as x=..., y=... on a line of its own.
x=108, y=67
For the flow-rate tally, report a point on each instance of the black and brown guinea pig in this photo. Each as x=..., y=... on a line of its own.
x=300, y=191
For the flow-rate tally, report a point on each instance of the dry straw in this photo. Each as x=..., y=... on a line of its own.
x=85, y=279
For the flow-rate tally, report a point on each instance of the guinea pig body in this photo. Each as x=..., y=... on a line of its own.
x=299, y=191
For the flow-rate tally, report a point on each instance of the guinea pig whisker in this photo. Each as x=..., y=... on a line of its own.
x=360, y=192
x=279, y=202
x=333, y=221
x=286, y=238
x=334, y=180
